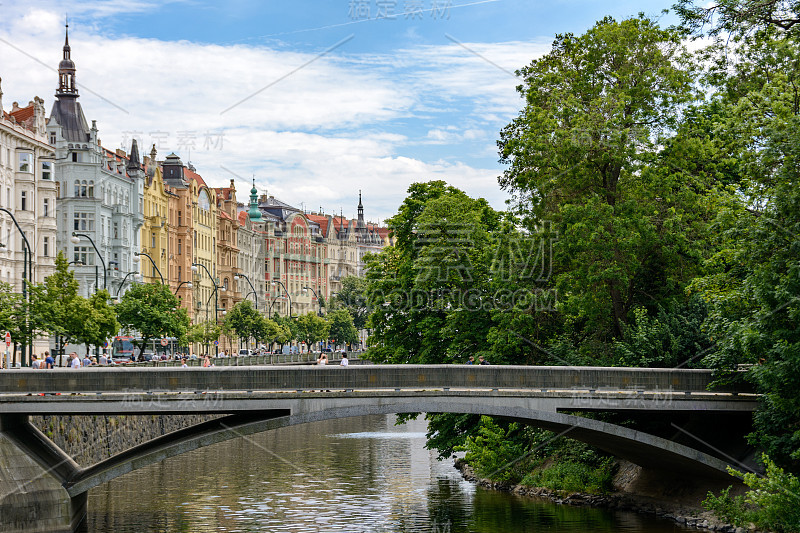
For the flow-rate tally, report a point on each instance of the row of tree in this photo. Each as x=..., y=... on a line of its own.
x=55, y=309
x=654, y=218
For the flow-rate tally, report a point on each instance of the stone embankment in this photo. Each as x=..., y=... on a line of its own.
x=91, y=439
x=630, y=476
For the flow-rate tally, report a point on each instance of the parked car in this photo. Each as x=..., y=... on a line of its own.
x=245, y=352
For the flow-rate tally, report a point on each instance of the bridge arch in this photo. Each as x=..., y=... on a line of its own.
x=640, y=448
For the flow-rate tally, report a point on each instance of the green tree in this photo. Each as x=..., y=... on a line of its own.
x=311, y=329
x=56, y=308
x=751, y=285
x=10, y=302
x=353, y=296
x=341, y=327
x=244, y=320
x=579, y=155
x=418, y=287
x=204, y=333
x=153, y=311
x=100, y=320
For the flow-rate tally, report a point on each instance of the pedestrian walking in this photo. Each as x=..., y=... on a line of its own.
x=471, y=360
x=344, y=361
x=74, y=362
x=323, y=359
x=482, y=361
x=49, y=362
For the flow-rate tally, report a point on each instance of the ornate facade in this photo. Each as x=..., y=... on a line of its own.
x=100, y=192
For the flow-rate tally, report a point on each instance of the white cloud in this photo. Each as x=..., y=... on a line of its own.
x=316, y=136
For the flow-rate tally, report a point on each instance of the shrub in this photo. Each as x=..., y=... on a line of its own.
x=773, y=501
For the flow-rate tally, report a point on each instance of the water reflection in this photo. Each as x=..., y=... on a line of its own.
x=352, y=475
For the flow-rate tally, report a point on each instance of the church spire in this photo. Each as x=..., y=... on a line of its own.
x=66, y=71
x=361, y=225
x=254, y=213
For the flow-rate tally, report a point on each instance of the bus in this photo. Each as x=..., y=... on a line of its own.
x=123, y=349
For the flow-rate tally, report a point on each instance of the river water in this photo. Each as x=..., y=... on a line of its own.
x=351, y=475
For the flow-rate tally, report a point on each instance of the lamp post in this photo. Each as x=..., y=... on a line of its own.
x=214, y=294
x=122, y=283
x=137, y=254
x=319, y=300
x=188, y=284
x=269, y=312
x=27, y=273
x=279, y=282
x=252, y=289
x=75, y=240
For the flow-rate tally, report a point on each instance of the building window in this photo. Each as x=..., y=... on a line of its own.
x=179, y=274
x=179, y=249
x=46, y=246
x=83, y=222
x=77, y=188
x=24, y=200
x=153, y=241
x=116, y=230
x=83, y=254
x=25, y=162
x=47, y=170
x=75, y=158
x=46, y=205
x=90, y=189
x=180, y=219
x=53, y=138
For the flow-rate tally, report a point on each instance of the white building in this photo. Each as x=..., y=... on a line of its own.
x=28, y=192
x=101, y=192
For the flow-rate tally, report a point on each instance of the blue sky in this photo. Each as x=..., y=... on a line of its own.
x=316, y=99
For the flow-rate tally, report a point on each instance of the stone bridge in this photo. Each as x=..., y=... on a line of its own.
x=249, y=400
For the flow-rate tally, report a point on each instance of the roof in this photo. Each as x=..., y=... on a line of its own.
x=69, y=115
x=242, y=216
x=192, y=175
x=23, y=113
x=322, y=220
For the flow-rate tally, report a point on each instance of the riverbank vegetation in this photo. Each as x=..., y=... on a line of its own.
x=653, y=220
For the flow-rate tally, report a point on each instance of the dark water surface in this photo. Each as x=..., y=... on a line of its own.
x=352, y=475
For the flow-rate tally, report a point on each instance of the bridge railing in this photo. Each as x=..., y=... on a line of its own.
x=306, y=358
x=361, y=377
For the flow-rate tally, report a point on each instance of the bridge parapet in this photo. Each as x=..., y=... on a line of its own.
x=237, y=378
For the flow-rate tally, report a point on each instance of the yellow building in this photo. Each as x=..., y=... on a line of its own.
x=155, y=238
x=204, y=244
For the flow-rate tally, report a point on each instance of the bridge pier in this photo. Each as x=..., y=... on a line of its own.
x=32, y=469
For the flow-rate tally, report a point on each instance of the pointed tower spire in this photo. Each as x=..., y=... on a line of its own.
x=133, y=159
x=361, y=227
x=254, y=213
x=66, y=70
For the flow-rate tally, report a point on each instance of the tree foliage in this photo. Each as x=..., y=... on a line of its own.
x=341, y=329
x=152, y=311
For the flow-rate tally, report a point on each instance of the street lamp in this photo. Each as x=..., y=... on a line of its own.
x=27, y=273
x=319, y=300
x=252, y=291
x=122, y=283
x=271, y=304
x=75, y=240
x=181, y=284
x=137, y=254
x=279, y=282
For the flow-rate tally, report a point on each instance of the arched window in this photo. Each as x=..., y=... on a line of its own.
x=83, y=188
x=90, y=192
x=77, y=188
